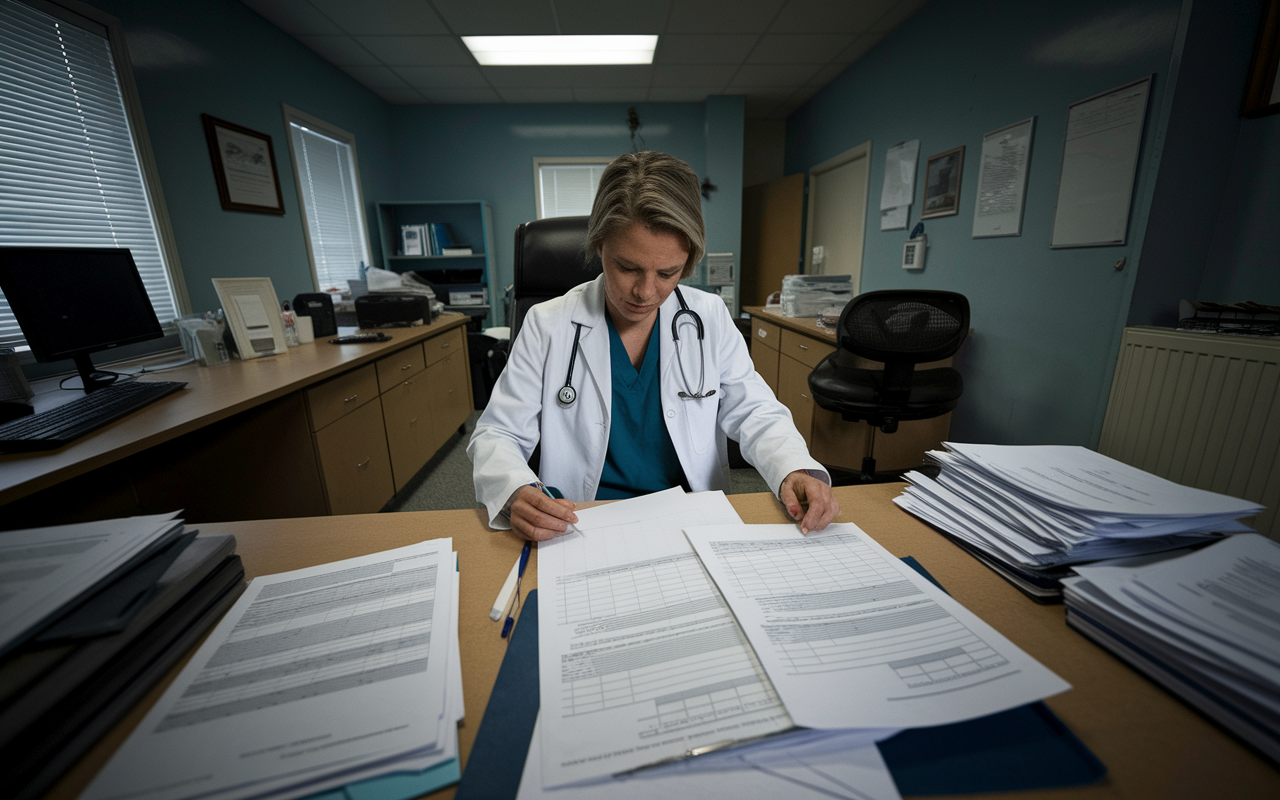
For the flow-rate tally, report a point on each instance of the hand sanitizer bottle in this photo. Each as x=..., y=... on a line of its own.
x=290, y=326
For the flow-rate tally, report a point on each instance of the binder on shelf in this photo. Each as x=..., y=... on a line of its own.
x=411, y=240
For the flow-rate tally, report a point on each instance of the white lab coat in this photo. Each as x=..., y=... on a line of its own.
x=523, y=409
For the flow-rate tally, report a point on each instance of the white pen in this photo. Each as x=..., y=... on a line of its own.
x=504, y=596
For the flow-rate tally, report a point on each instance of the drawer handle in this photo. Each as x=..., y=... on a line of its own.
x=352, y=397
x=762, y=333
x=364, y=463
x=413, y=421
x=406, y=366
x=803, y=347
x=805, y=396
x=445, y=345
x=411, y=380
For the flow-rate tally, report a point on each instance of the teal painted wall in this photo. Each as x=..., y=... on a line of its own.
x=1244, y=258
x=218, y=57
x=1047, y=322
x=486, y=152
x=723, y=212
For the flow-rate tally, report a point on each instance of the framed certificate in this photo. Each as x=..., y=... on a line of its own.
x=244, y=166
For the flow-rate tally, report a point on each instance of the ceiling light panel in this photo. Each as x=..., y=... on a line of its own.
x=506, y=51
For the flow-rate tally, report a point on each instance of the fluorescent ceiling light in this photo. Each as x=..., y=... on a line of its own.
x=504, y=51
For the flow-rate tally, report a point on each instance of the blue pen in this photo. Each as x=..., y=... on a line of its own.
x=515, y=598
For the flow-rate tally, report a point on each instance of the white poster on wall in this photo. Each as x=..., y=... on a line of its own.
x=1002, y=180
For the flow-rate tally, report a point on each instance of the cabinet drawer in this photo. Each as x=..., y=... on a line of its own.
x=804, y=349
x=342, y=395
x=395, y=368
x=440, y=346
x=450, y=399
x=793, y=391
x=406, y=410
x=763, y=333
x=354, y=461
x=766, y=361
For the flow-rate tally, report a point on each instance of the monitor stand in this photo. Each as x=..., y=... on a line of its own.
x=90, y=377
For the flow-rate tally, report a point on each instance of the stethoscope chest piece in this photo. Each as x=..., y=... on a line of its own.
x=567, y=395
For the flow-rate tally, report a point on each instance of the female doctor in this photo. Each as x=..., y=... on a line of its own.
x=631, y=383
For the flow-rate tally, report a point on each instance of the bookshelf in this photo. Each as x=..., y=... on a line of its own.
x=470, y=222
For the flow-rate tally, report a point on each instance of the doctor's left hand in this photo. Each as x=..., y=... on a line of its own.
x=538, y=517
x=799, y=488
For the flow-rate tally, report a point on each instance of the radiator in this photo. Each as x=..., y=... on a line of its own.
x=1202, y=410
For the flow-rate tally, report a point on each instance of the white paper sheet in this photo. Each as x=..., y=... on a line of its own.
x=314, y=677
x=894, y=219
x=835, y=610
x=1002, y=180
x=44, y=570
x=899, y=175
x=639, y=658
x=855, y=771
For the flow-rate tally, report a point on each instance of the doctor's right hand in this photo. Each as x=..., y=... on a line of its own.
x=538, y=517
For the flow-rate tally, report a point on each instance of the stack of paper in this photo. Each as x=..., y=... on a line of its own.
x=1031, y=512
x=1205, y=625
x=343, y=679
x=642, y=664
x=93, y=615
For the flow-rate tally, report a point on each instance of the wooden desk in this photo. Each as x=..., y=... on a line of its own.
x=1152, y=744
x=785, y=350
x=239, y=442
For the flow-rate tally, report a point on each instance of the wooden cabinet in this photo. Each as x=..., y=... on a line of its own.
x=377, y=426
x=785, y=351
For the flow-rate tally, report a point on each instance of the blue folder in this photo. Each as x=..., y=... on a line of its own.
x=1021, y=749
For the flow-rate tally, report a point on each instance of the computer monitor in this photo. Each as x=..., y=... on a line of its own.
x=73, y=301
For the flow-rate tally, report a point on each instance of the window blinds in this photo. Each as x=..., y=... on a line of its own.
x=568, y=189
x=69, y=175
x=331, y=203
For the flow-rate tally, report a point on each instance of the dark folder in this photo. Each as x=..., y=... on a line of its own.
x=1020, y=749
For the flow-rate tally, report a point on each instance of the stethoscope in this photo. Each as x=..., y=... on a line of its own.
x=567, y=394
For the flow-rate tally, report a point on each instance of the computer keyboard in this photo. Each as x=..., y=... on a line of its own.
x=56, y=427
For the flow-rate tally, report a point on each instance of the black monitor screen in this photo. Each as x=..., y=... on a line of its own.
x=71, y=301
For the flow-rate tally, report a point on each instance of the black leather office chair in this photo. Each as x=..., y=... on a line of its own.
x=551, y=259
x=901, y=328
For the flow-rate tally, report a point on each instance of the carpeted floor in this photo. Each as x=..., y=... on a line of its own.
x=445, y=482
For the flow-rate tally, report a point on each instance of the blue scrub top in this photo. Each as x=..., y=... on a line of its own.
x=641, y=458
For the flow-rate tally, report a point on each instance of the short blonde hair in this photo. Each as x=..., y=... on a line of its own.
x=655, y=189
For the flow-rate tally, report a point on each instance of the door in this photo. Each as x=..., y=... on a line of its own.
x=838, y=213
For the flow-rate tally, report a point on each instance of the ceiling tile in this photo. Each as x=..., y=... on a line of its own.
x=496, y=17
x=428, y=79
x=790, y=75
x=799, y=48
x=830, y=16
x=681, y=94
x=593, y=16
x=295, y=17
x=417, y=51
x=610, y=94
x=385, y=17
x=826, y=75
x=455, y=96
x=341, y=50
x=534, y=77
x=376, y=77
x=530, y=94
x=717, y=16
x=688, y=48
x=860, y=47
x=401, y=97
x=613, y=75
x=897, y=15
x=692, y=74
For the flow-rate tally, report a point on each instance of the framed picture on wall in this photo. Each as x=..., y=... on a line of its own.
x=942, y=184
x=244, y=166
x=1262, y=92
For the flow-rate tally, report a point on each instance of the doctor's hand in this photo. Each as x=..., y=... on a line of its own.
x=802, y=488
x=538, y=517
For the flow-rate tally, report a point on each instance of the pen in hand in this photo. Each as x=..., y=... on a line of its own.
x=570, y=527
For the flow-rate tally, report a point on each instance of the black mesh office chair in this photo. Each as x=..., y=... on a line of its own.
x=551, y=259
x=901, y=328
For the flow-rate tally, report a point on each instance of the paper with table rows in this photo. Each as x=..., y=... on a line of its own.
x=639, y=658
x=852, y=638
x=315, y=678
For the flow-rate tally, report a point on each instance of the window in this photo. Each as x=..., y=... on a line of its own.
x=566, y=187
x=328, y=180
x=73, y=166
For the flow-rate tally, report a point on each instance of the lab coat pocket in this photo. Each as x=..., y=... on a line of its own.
x=700, y=416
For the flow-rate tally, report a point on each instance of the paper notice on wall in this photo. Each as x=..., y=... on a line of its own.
x=899, y=175
x=894, y=219
x=1002, y=180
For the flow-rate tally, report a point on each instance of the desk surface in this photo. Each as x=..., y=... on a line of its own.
x=806, y=325
x=212, y=394
x=1152, y=744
